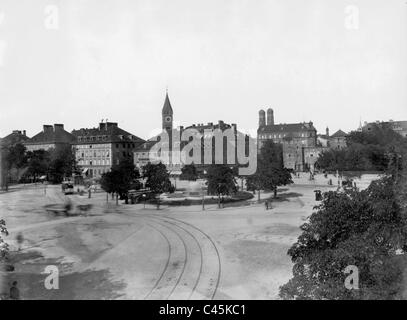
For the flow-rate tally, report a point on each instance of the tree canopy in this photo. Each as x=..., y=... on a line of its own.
x=270, y=172
x=189, y=172
x=366, y=151
x=220, y=180
x=362, y=228
x=157, y=178
x=120, y=178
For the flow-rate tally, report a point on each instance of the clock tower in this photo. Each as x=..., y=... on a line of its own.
x=167, y=114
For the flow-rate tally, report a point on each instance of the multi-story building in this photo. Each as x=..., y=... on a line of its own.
x=98, y=149
x=204, y=143
x=51, y=137
x=299, y=140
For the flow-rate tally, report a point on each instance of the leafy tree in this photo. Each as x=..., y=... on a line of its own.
x=270, y=171
x=157, y=179
x=4, y=248
x=13, y=159
x=221, y=181
x=62, y=163
x=365, y=229
x=366, y=151
x=38, y=162
x=16, y=156
x=189, y=172
x=120, y=179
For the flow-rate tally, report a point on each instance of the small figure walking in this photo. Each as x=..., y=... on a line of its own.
x=20, y=240
x=267, y=204
x=14, y=292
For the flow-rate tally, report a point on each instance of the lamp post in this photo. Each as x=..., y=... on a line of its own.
x=203, y=196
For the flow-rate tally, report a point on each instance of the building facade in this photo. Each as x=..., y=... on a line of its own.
x=202, y=140
x=98, y=149
x=338, y=140
x=299, y=141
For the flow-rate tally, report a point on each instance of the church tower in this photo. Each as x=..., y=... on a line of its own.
x=167, y=114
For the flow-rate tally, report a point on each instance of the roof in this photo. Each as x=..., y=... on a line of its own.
x=339, y=134
x=109, y=131
x=52, y=135
x=146, y=146
x=167, y=109
x=289, y=127
x=15, y=137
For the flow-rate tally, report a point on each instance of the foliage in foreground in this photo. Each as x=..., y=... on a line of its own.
x=366, y=229
x=4, y=248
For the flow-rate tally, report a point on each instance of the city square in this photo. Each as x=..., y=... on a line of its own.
x=128, y=252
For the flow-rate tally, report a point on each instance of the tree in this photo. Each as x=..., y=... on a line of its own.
x=62, y=163
x=120, y=179
x=270, y=172
x=38, y=163
x=13, y=159
x=366, y=151
x=221, y=181
x=4, y=248
x=188, y=172
x=365, y=229
x=157, y=179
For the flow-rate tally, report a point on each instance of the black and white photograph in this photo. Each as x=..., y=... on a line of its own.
x=189, y=150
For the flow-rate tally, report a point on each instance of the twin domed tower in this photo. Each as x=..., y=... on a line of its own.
x=270, y=118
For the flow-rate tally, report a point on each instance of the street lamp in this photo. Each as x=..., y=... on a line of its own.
x=144, y=198
x=203, y=196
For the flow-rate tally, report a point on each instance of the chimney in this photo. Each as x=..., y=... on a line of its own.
x=47, y=128
x=270, y=117
x=102, y=126
x=58, y=127
x=327, y=131
x=111, y=124
x=262, y=118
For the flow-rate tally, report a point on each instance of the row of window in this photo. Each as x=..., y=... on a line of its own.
x=94, y=154
x=124, y=145
x=102, y=162
x=283, y=135
x=93, y=146
x=93, y=138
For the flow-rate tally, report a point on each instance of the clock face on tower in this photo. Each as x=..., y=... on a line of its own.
x=167, y=119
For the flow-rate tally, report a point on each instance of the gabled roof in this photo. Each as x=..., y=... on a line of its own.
x=167, y=109
x=339, y=134
x=109, y=132
x=52, y=135
x=15, y=137
x=288, y=128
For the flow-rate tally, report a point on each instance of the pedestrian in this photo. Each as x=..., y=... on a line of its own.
x=267, y=204
x=14, y=292
x=20, y=240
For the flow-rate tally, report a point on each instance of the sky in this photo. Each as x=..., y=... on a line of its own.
x=75, y=62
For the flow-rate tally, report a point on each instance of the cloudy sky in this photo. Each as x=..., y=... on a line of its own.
x=332, y=62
